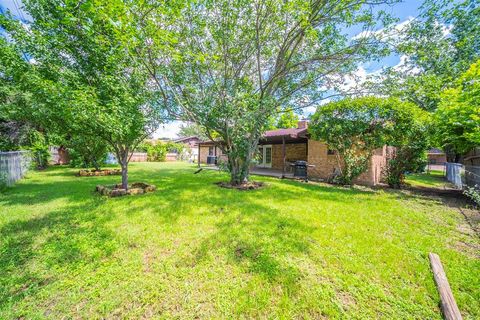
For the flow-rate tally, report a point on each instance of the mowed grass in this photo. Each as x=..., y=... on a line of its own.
x=194, y=250
x=432, y=179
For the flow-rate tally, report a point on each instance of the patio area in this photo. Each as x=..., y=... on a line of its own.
x=260, y=172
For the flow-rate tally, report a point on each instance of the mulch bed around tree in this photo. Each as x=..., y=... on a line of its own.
x=251, y=185
x=116, y=190
x=103, y=172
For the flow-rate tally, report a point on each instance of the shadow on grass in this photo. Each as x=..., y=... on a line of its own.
x=248, y=231
x=261, y=242
x=58, y=240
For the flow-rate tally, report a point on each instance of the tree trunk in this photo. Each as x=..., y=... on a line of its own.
x=239, y=168
x=95, y=165
x=124, y=175
x=123, y=159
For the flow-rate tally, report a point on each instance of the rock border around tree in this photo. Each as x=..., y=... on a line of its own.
x=99, y=173
x=250, y=185
x=116, y=190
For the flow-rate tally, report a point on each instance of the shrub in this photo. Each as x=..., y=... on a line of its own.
x=3, y=181
x=473, y=193
x=40, y=155
x=85, y=152
x=406, y=158
x=156, y=152
x=356, y=127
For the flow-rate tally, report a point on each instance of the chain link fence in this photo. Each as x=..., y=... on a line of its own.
x=463, y=176
x=13, y=166
x=472, y=175
x=454, y=172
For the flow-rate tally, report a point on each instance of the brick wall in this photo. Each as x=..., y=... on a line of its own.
x=326, y=164
x=376, y=166
x=203, y=154
x=293, y=152
x=216, y=150
x=437, y=158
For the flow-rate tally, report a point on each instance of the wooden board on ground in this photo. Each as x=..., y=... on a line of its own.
x=449, y=306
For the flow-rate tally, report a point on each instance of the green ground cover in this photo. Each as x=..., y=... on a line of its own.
x=194, y=250
x=431, y=179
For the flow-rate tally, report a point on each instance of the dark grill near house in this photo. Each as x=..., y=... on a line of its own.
x=300, y=169
x=211, y=160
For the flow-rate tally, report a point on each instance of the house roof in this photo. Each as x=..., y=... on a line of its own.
x=277, y=136
x=435, y=151
x=291, y=132
x=185, y=138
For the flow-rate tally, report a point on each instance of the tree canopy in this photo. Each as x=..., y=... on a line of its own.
x=436, y=47
x=457, y=119
x=84, y=75
x=236, y=63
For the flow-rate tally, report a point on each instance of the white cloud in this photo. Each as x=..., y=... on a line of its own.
x=16, y=8
x=403, y=66
x=169, y=130
x=391, y=33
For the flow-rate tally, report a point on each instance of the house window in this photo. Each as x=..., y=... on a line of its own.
x=330, y=152
x=210, y=151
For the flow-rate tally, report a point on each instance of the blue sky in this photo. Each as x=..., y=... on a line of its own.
x=403, y=11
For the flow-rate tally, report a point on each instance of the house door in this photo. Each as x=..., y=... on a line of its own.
x=265, y=156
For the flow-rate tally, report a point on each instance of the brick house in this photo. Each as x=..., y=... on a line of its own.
x=191, y=144
x=436, y=156
x=279, y=148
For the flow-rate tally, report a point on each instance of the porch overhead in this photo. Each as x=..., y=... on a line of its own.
x=292, y=135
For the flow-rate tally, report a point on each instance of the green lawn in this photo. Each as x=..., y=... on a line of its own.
x=194, y=250
x=432, y=179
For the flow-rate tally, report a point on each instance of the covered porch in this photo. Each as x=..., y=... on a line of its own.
x=267, y=172
x=278, y=149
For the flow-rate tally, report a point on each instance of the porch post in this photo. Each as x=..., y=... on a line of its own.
x=284, y=157
x=199, y=155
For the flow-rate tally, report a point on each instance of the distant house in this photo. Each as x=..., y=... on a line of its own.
x=436, y=156
x=191, y=144
x=278, y=149
x=59, y=155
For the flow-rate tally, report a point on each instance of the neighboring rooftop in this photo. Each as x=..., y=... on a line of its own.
x=435, y=151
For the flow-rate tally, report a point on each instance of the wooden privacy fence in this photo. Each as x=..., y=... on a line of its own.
x=13, y=166
x=138, y=157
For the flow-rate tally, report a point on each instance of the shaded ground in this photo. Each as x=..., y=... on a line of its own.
x=432, y=179
x=194, y=250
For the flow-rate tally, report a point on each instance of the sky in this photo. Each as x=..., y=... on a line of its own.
x=403, y=11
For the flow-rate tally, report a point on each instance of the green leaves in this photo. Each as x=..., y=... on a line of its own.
x=236, y=64
x=356, y=127
x=438, y=46
x=457, y=119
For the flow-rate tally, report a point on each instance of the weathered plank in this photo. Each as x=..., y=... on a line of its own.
x=449, y=306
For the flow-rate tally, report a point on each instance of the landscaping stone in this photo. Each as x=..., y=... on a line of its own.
x=116, y=190
x=136, y=191
x=251, y=185
x=104, y=172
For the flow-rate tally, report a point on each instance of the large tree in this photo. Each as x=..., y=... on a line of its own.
x=233, y=64
x=436, y=47
x=87, y=80
x=457, y=119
